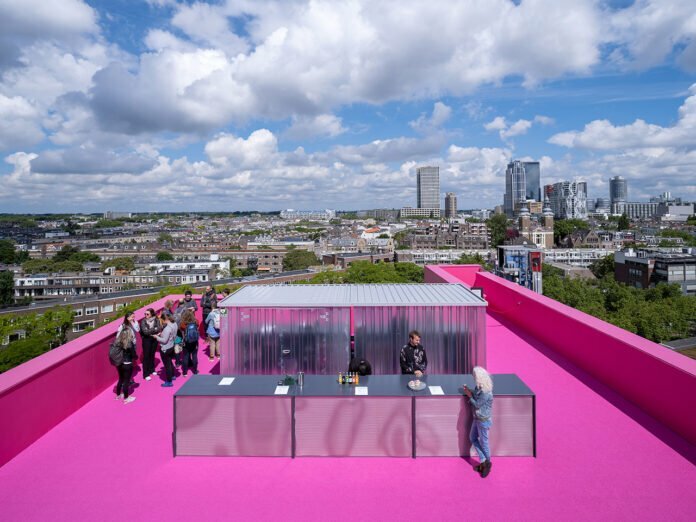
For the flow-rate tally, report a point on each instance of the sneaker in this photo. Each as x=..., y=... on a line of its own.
x=119, y=397
x=129, y=399
x=211, y=358
x=185, y=375
x=195, y=372
x=153, y=374
x=166, y=384
x=148, y=378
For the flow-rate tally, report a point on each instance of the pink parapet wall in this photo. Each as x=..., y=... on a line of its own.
x=653, y=377
x=39, y=394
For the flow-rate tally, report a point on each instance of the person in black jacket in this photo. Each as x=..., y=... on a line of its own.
x=412, y=357
x=149, y=327
x=126, y=341
x=209, y=301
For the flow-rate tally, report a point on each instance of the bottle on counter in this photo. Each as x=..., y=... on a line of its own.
x=340, y=378
x=357, y=378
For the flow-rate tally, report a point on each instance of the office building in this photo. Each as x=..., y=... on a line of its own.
x=646, y=268
x=602, y=206
x=618, y=192
x=532, y=172
x=450, y=205
x=426, y=213
x=428, y=187
x=568, y=199
x=515, y=187
x=635, y=210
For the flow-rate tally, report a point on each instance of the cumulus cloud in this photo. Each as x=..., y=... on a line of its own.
x=508, y=130
x=441, y=113
x=320, y=126
x=300, y=59
x=648, y=31
x=603, y=135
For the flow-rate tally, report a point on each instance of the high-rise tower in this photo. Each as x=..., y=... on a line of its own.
x=450, y=205
x=618, y=192
x=428, y=187
x=515, y=187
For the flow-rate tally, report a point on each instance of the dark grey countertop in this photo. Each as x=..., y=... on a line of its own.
x=327, y=386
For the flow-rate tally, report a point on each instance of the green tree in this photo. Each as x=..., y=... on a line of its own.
x=9, y=255
x=497, y=227
x=65, y=253
x=71, y=253
x=603, y=266
x=624, y=223
x=164, y=256
x=409, y=272
x=562, y=228
x=297, y=259
x=6, y=288
x=120, y=263
x=165, y=237
x=475, y=259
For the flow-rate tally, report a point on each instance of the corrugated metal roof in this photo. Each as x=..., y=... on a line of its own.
x=302, y=296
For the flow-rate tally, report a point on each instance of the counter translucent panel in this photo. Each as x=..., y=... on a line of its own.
x=443, y=425
x=212, y=426
x=286, y=340
x=353, y=427
x=454, y=337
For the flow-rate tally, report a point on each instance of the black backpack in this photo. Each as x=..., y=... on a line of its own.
x=116, y=353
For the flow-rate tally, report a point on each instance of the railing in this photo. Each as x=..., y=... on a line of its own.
x=39, y=394
x=654, y=378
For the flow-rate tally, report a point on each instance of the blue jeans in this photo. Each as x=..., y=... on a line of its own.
x=479, y=438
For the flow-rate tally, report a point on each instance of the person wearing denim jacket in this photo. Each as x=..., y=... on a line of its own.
x=481, y=401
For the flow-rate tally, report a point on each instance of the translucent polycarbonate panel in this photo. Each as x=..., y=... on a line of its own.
x=454, y=337
x=287, y=340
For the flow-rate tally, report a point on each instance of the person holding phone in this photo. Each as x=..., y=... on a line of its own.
x=481, y=400
x=413, y=358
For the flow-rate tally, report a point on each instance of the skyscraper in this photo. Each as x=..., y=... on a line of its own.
x=450, y=205
x=515, y=187
x=532, y=172
x=428, y=187
x=618, y=192
x=568, y=199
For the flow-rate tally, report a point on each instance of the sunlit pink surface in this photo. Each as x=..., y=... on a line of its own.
x=598, y=456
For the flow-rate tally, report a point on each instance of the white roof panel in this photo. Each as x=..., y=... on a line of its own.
x=303, y=296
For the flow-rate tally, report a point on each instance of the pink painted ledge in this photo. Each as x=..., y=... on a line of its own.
x=41, y=393
x=630, y=365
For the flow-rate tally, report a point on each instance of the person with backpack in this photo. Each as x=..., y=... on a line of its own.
x=122, y=354
x=166, y=339
x=149, y=326
x=189, y=330
x=212, y=322
x=130, y=323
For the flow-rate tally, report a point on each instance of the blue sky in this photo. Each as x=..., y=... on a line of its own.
x=236, y=105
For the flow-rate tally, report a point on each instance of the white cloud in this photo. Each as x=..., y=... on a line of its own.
x=498, y=123
x=307, y=127
x=441, y=113
x=648, y=31
x=603, y=135
x=19, y=127
x=509, y=130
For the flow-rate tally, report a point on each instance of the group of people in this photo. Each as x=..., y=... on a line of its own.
x=414, y=360
x=176, y=330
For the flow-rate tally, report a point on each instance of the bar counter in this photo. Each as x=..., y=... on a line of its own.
x=325, y=418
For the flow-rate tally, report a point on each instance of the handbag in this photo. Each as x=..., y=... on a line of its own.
x=178, y=348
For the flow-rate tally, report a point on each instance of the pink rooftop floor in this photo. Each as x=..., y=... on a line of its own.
x=599, y=456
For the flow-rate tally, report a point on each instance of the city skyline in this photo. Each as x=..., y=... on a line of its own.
x=161, y=105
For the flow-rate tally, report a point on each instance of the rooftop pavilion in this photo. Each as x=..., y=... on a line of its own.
x=616, y=437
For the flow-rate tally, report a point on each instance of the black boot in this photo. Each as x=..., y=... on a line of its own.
x=478, y=467
x=486, y=468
